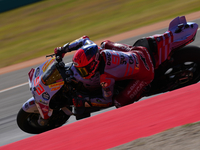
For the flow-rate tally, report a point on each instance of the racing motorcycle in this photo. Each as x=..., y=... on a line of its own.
x=53, y=83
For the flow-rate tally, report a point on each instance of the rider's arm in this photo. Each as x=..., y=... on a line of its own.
x=78, y=43
x=68, y=47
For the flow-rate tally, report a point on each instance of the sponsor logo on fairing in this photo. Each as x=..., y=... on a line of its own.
x=47, y=64
x=37, y=72
x=45, y=109
x=31, y=102
x=45, y=96
x=56, y=84
x=43, y=102
x=56, y=88
x=39, y=89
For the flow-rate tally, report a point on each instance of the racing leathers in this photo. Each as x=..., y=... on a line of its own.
x=117, y=62
x=124, y=62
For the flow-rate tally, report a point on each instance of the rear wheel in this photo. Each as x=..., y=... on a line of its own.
x=181, y=70
x=28, y=122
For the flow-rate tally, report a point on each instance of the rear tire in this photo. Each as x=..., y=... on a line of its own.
x=181, y=70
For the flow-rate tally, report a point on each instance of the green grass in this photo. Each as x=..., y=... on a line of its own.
x=35, y=30
x=190, y=124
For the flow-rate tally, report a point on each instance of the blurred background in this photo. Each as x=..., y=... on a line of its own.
x=33, y=28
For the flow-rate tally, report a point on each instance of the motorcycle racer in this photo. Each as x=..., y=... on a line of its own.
x=55, y=85
x=109, y=63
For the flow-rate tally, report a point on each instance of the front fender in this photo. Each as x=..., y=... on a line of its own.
x=30, y=106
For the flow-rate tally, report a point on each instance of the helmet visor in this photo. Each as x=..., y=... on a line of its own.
x=85, y=71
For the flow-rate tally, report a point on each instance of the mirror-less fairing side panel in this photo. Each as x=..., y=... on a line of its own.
x=30, y=106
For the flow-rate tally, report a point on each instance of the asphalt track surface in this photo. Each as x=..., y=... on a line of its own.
x=14, y=91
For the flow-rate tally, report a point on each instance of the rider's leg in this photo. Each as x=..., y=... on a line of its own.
x=131, y=93
x=142, y=77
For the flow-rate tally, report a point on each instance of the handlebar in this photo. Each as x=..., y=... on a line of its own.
x=58, y=58
x=51, y=55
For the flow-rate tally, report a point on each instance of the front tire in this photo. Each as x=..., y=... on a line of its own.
x=28, y=122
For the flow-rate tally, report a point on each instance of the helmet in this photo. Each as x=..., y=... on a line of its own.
x=86, y=60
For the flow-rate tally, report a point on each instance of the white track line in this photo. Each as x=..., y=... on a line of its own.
x=13, y=87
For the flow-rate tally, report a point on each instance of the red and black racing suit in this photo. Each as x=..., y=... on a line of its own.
x=119, y=62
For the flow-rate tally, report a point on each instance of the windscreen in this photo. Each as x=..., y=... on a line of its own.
x=51, y=75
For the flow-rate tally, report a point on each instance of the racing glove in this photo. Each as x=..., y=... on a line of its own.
x=60, y=51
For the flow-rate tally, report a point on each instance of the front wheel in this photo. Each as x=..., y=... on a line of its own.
x=28, y=122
